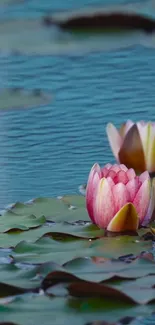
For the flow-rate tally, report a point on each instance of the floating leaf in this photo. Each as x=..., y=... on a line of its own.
x=104, y=22
x=55, y=209
x=57, y=231
x=14, y=278
x=78, y=201
x=48, y=249
x=111, y=272
x=13, y=237
x=10, y=220
x=62, y=310
x=118, y=246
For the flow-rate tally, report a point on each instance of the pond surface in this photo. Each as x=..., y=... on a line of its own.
x=49, y=150
x=65, y=91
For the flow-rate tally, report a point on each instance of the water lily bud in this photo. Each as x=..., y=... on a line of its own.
x=134, y=145
x=117, y=199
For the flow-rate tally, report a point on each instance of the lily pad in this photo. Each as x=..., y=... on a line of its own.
x=46, y=249
x=63, y=311
x=111, y=272
x=13, y=237
x=87, y=269
x=10, y=221
x=103, y=22
x=16, y=98
x=118, y=246
x=68, y=208
x=13, y=276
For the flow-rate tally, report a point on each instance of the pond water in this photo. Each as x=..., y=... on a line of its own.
x=49, y=150
x=84, y=82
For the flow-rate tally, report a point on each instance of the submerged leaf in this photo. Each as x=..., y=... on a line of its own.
x=18, y=98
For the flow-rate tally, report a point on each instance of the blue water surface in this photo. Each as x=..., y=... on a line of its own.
x=48, y=151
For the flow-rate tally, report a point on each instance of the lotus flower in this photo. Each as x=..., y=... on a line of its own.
x=134, y=145
x=117, y=199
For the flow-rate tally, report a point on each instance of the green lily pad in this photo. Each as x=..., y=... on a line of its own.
x=63, y=311
x=110, y=272
x=14, y=276
x=57, y=210
x=47, y=249
x=57, y=231
x=13, y=237
x=91, y=270
x=118, y=246
x=74, y=200
x=10, y=220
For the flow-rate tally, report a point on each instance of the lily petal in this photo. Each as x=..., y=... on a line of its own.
x=151, y=151
x=132, y=188
x=142, y=199
x=150, y=215
x=125, y=220
x=131, y=153
x=125, y=128
x=145, y=175
x=121, y=177
x=147, y=134
x=123, y=167
x=103, y=204
x=131, y=173
x=93, y=180
x=121, y=196
x=114, y=138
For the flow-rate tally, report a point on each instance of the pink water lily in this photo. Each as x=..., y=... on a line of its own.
x=117, y=199
x=134, y=144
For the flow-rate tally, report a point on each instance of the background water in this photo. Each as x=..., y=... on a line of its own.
x=48, y=151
